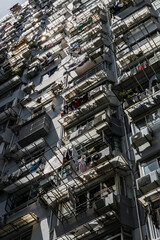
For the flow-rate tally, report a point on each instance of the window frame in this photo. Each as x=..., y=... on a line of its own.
x=144, y=164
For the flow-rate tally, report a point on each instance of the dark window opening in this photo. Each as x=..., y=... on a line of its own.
x=81, y=203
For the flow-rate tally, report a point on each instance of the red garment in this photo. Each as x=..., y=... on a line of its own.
x=141, y=68
x=82, y=166
x=7, y=26
x=77, y=103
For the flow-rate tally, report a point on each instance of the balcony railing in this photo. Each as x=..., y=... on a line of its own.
x=91, y=131
x=99, y=205
x=98, y=28
x=17, y=224
x=10, y=112
x=5, y=87
x=132, y=58
x=89, y=108
x=24, y=175
x=88, y=21
x=149, y=187
x=139, y=16
x=60, y=192
x=90, y=79
x=149, y=101
x=137, y=75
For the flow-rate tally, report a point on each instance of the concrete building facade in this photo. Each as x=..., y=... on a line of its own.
x=79, y=120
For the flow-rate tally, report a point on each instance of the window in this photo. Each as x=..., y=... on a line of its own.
x=147, y=120
x=81, y=203
x=116, y=143
x=139, y=44
x=21, y=198
x=3, y=126
x=122, y=186
x=111, y=237
x=66, y=171
x=150, y=166
x=26, y=235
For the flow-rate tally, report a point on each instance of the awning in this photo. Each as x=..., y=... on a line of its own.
x=17, y=224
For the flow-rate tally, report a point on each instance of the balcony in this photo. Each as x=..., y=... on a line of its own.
x=149, y=187
x=79, y=224
x=17, y=154
x=137, y=75
x=94, y=31
x=87, y=81
x=21, y=199
x=17, y=224
x=34, y=129
x=149, y=103
x=119, y=27
x=130, y=59
x=24, y=175
x=91, y=129
x=92, y=45
x=119, y=7
x=91, y=107
x=123, y=10
x=104, y=216
x=40, y=101
x=5, y=87
x=88, y=22
x=91, y=10
x=11, y=112
x=52, y=41
x=105, y=167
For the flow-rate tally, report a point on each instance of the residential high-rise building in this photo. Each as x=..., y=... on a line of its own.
x=79, y=120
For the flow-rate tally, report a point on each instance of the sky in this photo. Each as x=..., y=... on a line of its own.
x=5, y=5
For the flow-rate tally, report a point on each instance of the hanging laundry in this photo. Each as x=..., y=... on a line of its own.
x=141, y=67
x=76, y=63
x=73, y=166
x=75, y=155
x=67, y=154
x=35, y=166
x=84, y=23
x=82, y=164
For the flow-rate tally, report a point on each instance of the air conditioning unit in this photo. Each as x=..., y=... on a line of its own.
x=99, y=118
x=101, y=156
x=158, y=175
x=106, y=204
x=142, y=137
x=148, y=182
x=96, y=91
x=28, y=88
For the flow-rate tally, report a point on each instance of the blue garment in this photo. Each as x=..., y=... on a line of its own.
x=34, y=167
